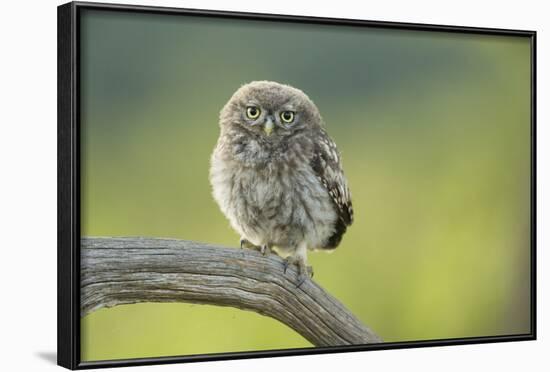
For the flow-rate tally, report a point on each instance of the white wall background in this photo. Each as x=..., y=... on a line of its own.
x=28, y=184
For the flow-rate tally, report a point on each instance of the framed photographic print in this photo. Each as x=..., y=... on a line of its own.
x=236, y=185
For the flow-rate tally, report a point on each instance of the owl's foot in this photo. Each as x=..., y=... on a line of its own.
x=304, y=271
x=265, y=250
x=246, y=244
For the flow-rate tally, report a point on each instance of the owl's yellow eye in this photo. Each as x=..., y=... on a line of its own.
x=252, y=112
x=287, y=116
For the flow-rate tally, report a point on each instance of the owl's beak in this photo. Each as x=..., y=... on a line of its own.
x=268, y=126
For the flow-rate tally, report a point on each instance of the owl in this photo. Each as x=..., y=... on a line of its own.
x=277, y=176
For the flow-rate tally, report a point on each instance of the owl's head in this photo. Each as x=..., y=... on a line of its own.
x=270, y=110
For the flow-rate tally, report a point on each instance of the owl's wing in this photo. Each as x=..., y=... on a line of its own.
x=327, y=165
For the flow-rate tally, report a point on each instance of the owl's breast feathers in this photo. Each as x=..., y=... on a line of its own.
x=326, y=164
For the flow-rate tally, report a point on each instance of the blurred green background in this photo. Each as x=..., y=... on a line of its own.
x=434, y=129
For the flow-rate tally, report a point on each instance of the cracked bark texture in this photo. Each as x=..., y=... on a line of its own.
x=116, y=271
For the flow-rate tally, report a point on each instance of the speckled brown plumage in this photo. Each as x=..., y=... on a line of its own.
x=277, y=175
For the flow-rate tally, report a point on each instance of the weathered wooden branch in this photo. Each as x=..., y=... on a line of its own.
x=118, y=271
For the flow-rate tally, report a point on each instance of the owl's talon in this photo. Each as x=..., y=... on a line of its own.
x=286, y=262
x=246, y=244
x=304, y=271
x=301, y=279
x=265, y=250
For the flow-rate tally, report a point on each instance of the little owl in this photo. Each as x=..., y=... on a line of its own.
x=277, y=175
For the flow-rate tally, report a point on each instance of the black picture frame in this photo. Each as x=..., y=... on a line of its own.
x=68, y=321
